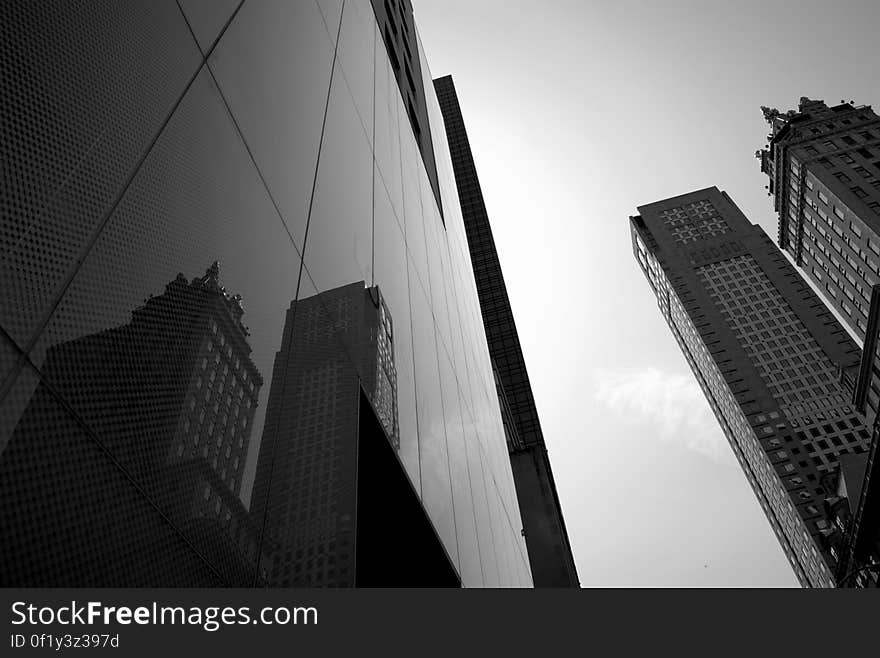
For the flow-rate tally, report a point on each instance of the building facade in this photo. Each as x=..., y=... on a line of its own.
x=768, y=355
x=297, y=144
x=546, y=536
x=823, y=166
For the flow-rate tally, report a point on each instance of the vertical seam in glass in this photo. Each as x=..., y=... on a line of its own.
x=437, y=343
x=483, y=466
x=409, y=285
x=298, y=282
x=467, y=464
x=373, y=153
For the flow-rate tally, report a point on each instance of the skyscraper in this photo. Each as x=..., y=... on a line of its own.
x=297, y=144
x=768, y=355
x=823, y=165
x=546, y=536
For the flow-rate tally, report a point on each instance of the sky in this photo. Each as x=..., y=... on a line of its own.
x=578, y=112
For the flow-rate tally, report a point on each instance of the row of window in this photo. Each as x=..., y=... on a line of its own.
x=745, y=270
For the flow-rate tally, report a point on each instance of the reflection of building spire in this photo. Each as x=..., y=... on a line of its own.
x=211, y=282
x=211, y=279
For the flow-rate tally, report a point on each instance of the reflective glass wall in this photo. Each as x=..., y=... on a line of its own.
x=217, y=227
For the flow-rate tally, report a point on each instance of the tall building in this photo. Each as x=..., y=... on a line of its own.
x=768, y=355
x=546, y=537
x=823, y=165
x=301, y=145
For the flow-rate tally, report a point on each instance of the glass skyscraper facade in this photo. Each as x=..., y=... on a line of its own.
x=231, y=250
x=768, y=355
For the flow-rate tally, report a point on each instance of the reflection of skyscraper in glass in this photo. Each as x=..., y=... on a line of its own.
x=132, y=168
x=168, y=400
x=336, y=345
x=767, y=354
x=333, y=344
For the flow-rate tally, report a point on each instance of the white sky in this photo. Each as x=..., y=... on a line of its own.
x=577, y=112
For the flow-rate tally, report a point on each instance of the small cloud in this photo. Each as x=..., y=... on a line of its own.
x=673, y=403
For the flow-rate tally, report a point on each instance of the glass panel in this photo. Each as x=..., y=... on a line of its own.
x=87, y=127
x=392, y=281
x=490, y=434
x=435, y=243
x=465, y=530
x=165, y=340
x=488, y=559
x=331, y=12
x=387, y=137
x=339, y=246
x=511, y=526
x=356, y=57
x=412, y=204
x=457, y=344
x=506, y=484
x=70, y=515
x=273, y=65
x=497, y=442
x=503, y=537
x=306, y=475
x=207, y=18
x=436, y=483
